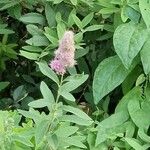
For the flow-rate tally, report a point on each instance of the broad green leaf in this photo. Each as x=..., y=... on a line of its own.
x=38, y=40
x=109, y=74
x=145, y=57
x=41, y=131
x=87, y=19
x=47, y=71
x=111, y=126
x=134, y=94
x=3, y=85
x=34, y=30
x=140, y=116
x=114, y=120
x=145, y=11
x=31, y=56
x=33, y=18
x=128, y=41
x=47, y=94
x=76, y=111
x=134, y=144
x=66, y=131
x=129, y=82
x=50, y=15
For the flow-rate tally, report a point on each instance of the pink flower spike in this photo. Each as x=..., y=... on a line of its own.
x=64, y=55
x=57, y=66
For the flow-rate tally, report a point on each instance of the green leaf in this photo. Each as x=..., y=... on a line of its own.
x=114, y=120
x=47, y=71
x=143, y=136
x=47, y=94
x=40, y=103
x=128, y=41
x=145, y=11
x=9, y=4
x=66, y=131
x=68, y=96
x=61, y=29
x=77, y=21
x=3, y=85
x=19, y=93
x=38, y=40
x=93, y=28
x=87, y=19
x=73, y=82
x=106, y=11
x=6, y=31
x=33, y=18
x=110, y=126
x=75, y=142
x=145, y=57
x=74, y=2
x=76, y=111
x=34, y=30
x=134, y=94
x=50, y=15
x=133, y=143
x=31, y=56
x=23, y=140
x=41, y=130
x=109, y=74
x=76, y=119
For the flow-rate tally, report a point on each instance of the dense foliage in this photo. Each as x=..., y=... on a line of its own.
x=102, y=103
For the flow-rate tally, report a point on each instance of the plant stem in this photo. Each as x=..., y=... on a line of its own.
x=60, y=84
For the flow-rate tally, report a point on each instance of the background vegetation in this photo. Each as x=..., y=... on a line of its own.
x=102, y=103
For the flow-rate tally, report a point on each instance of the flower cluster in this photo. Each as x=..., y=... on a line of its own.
x=64, y=55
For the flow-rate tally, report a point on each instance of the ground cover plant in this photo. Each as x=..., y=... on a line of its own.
x=74, y=74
